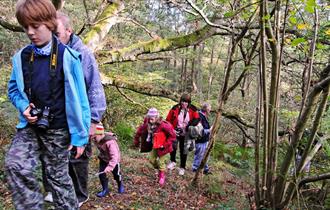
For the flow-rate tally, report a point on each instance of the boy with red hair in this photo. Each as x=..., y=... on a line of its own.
x=46, y=74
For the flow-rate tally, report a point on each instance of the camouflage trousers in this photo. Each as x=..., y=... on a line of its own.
x=28, y=147
x=78, y=171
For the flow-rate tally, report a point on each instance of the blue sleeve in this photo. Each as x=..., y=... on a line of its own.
x=76, y=103
x=16, y=86
x=95, y=91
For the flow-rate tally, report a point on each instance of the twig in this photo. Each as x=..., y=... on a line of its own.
x=201, y=13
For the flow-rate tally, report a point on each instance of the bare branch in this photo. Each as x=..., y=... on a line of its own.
x=86, y=10
x=180, y=6
x=130, y=100
x=314, y=179
x=152, y=34
x=243, y=130
x=201, y=13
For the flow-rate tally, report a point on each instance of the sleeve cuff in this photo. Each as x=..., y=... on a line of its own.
x=78, y=141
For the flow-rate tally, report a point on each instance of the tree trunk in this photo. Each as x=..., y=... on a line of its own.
x=223, y=96
x=193, y=71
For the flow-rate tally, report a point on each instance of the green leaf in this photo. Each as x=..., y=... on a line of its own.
x=293, y=20
x=310, y=5
x=321, y=46
x=228, y=14
x=266, y=17
x=297, y=41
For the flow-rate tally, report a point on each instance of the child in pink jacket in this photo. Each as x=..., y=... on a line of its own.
x=109, y=158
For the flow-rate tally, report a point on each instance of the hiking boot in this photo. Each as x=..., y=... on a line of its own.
x=49, y=197
x=161, y=178
x=181, y=171
x=103, y=193
x=171, y=165
x=121, y=188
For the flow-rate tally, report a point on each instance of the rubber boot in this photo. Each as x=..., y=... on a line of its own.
x=105, y=188
x=121, y=188
x=161, y=177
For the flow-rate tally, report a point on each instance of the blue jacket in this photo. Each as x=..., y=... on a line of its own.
x=95, y=91
x=76, y=104
x=206, y=128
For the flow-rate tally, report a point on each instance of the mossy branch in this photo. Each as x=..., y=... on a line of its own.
x=93, y=39
x=133, y=52
x=149, y=90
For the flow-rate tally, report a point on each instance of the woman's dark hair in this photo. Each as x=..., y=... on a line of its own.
x=185, y=98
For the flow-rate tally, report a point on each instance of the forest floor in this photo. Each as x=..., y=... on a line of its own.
x=219, y=190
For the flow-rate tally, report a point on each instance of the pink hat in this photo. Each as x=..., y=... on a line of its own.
x=99, y=129
x=153, y=112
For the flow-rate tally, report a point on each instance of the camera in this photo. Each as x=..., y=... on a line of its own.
x=179, y=132
x=44, y=117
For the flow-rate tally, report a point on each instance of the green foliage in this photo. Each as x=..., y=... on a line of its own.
x=229, y=14
x=288, y=117
x=235, y=155
x=125, y=133
x=325, y=123
x=310, y=6
x=297, y=41
x=326, y=146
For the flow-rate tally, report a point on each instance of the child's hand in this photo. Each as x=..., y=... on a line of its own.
x=107, y=170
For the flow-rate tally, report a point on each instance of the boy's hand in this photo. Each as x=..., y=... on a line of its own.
x=80, y=150
x=28, y=116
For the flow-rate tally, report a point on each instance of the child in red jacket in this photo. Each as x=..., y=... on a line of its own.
x=109, y=158
x=160, y=134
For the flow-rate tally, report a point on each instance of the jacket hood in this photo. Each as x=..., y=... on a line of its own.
x=75, y=42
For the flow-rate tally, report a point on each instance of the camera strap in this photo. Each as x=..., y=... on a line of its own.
x=52, y=69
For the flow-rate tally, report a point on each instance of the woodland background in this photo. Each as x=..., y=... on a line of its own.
x=264, y=67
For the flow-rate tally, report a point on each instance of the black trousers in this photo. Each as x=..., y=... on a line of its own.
x=183, y=157
x=78, y=172
x=103, y=177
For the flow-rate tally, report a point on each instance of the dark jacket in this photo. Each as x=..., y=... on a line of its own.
x=172, y=116
x=206, y=128
x=162, y=126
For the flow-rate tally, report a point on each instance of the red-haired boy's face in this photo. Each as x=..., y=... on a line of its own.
x=39, y=34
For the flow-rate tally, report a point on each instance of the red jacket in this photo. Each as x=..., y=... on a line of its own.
x=162, y=126
x=173, y=114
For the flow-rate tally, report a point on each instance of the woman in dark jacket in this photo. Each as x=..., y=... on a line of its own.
x=181, y=116
x=202, y=142
x=158, y=135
